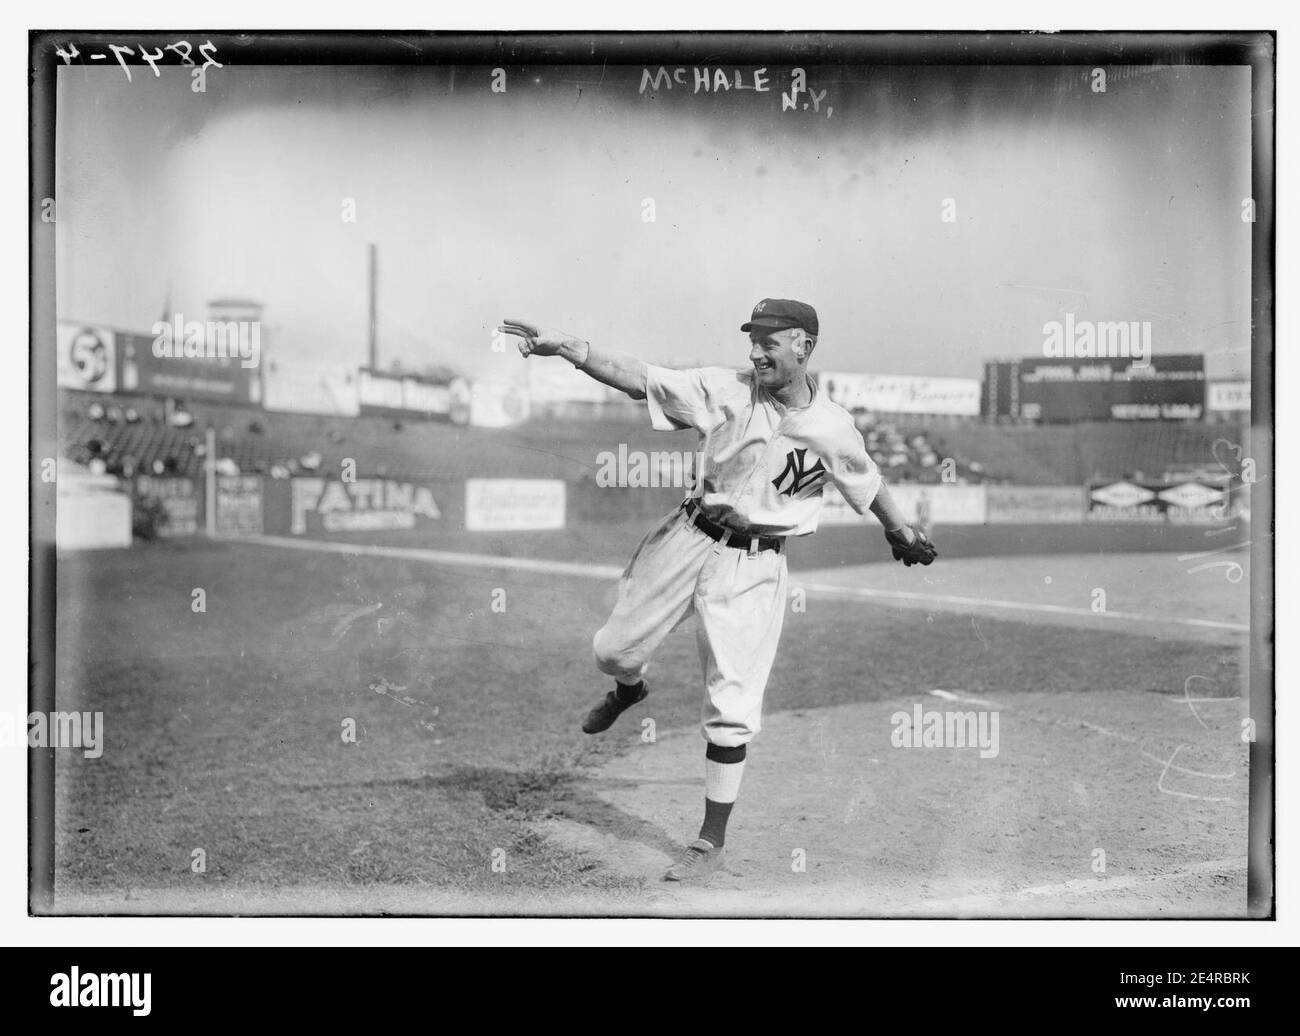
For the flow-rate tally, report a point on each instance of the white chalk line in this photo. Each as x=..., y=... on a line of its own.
x=1085, y=886
x=584, y=570
x=954, y=696
x=1102, y=730
x=442, y=557
x=1024, y=606
x=1167, y=764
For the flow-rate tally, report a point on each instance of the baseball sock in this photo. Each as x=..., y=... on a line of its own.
x=627, y=692
x=723, y=768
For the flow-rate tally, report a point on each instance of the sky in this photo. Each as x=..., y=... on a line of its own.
x=1122, y=205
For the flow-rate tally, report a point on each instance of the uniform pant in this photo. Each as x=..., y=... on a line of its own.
x=738, y=600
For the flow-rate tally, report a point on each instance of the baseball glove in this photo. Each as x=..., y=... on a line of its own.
x=919, y=551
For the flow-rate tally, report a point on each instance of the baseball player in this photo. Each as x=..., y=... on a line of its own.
x=770, y=443
x=923, y=520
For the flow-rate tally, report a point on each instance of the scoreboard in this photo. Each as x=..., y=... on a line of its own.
x=1065, y=390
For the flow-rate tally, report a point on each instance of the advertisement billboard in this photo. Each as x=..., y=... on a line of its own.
x=409, y=395
x=239, y=505
x=1192, y=502
x=503, y=504
x=1227, y=396
x=178, y=498
x=362, y=505
x=903, y=394
x=87, y=357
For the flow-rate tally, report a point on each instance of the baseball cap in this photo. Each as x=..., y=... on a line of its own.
x=779, y=314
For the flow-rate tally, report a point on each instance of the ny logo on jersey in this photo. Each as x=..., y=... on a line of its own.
x=800, y=477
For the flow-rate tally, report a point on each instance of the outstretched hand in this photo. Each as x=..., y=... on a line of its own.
x=532, y=339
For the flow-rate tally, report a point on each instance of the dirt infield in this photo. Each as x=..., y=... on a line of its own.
x=1122, y=803
x=834, y=820
x=223, y=733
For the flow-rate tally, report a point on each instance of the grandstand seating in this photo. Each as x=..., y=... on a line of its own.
x=258, y=441
x=1075, y=454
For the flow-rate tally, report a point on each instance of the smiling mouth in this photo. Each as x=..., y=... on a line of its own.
x=764, y=366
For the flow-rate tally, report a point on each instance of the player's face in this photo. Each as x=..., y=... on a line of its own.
x=774, y=358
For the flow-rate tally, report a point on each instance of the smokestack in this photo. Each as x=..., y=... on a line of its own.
x=374, y=313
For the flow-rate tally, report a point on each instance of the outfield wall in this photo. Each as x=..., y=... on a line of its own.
x=94, y=512
x=515, y=515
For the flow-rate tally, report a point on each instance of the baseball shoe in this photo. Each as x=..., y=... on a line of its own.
x=698, y=862
x=603, y=715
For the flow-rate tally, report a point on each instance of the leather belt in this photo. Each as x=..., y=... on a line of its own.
x=750, y=544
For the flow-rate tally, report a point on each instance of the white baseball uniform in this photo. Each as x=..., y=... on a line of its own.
x=763, y=469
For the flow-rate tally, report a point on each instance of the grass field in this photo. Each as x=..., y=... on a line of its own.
x=223, y=728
